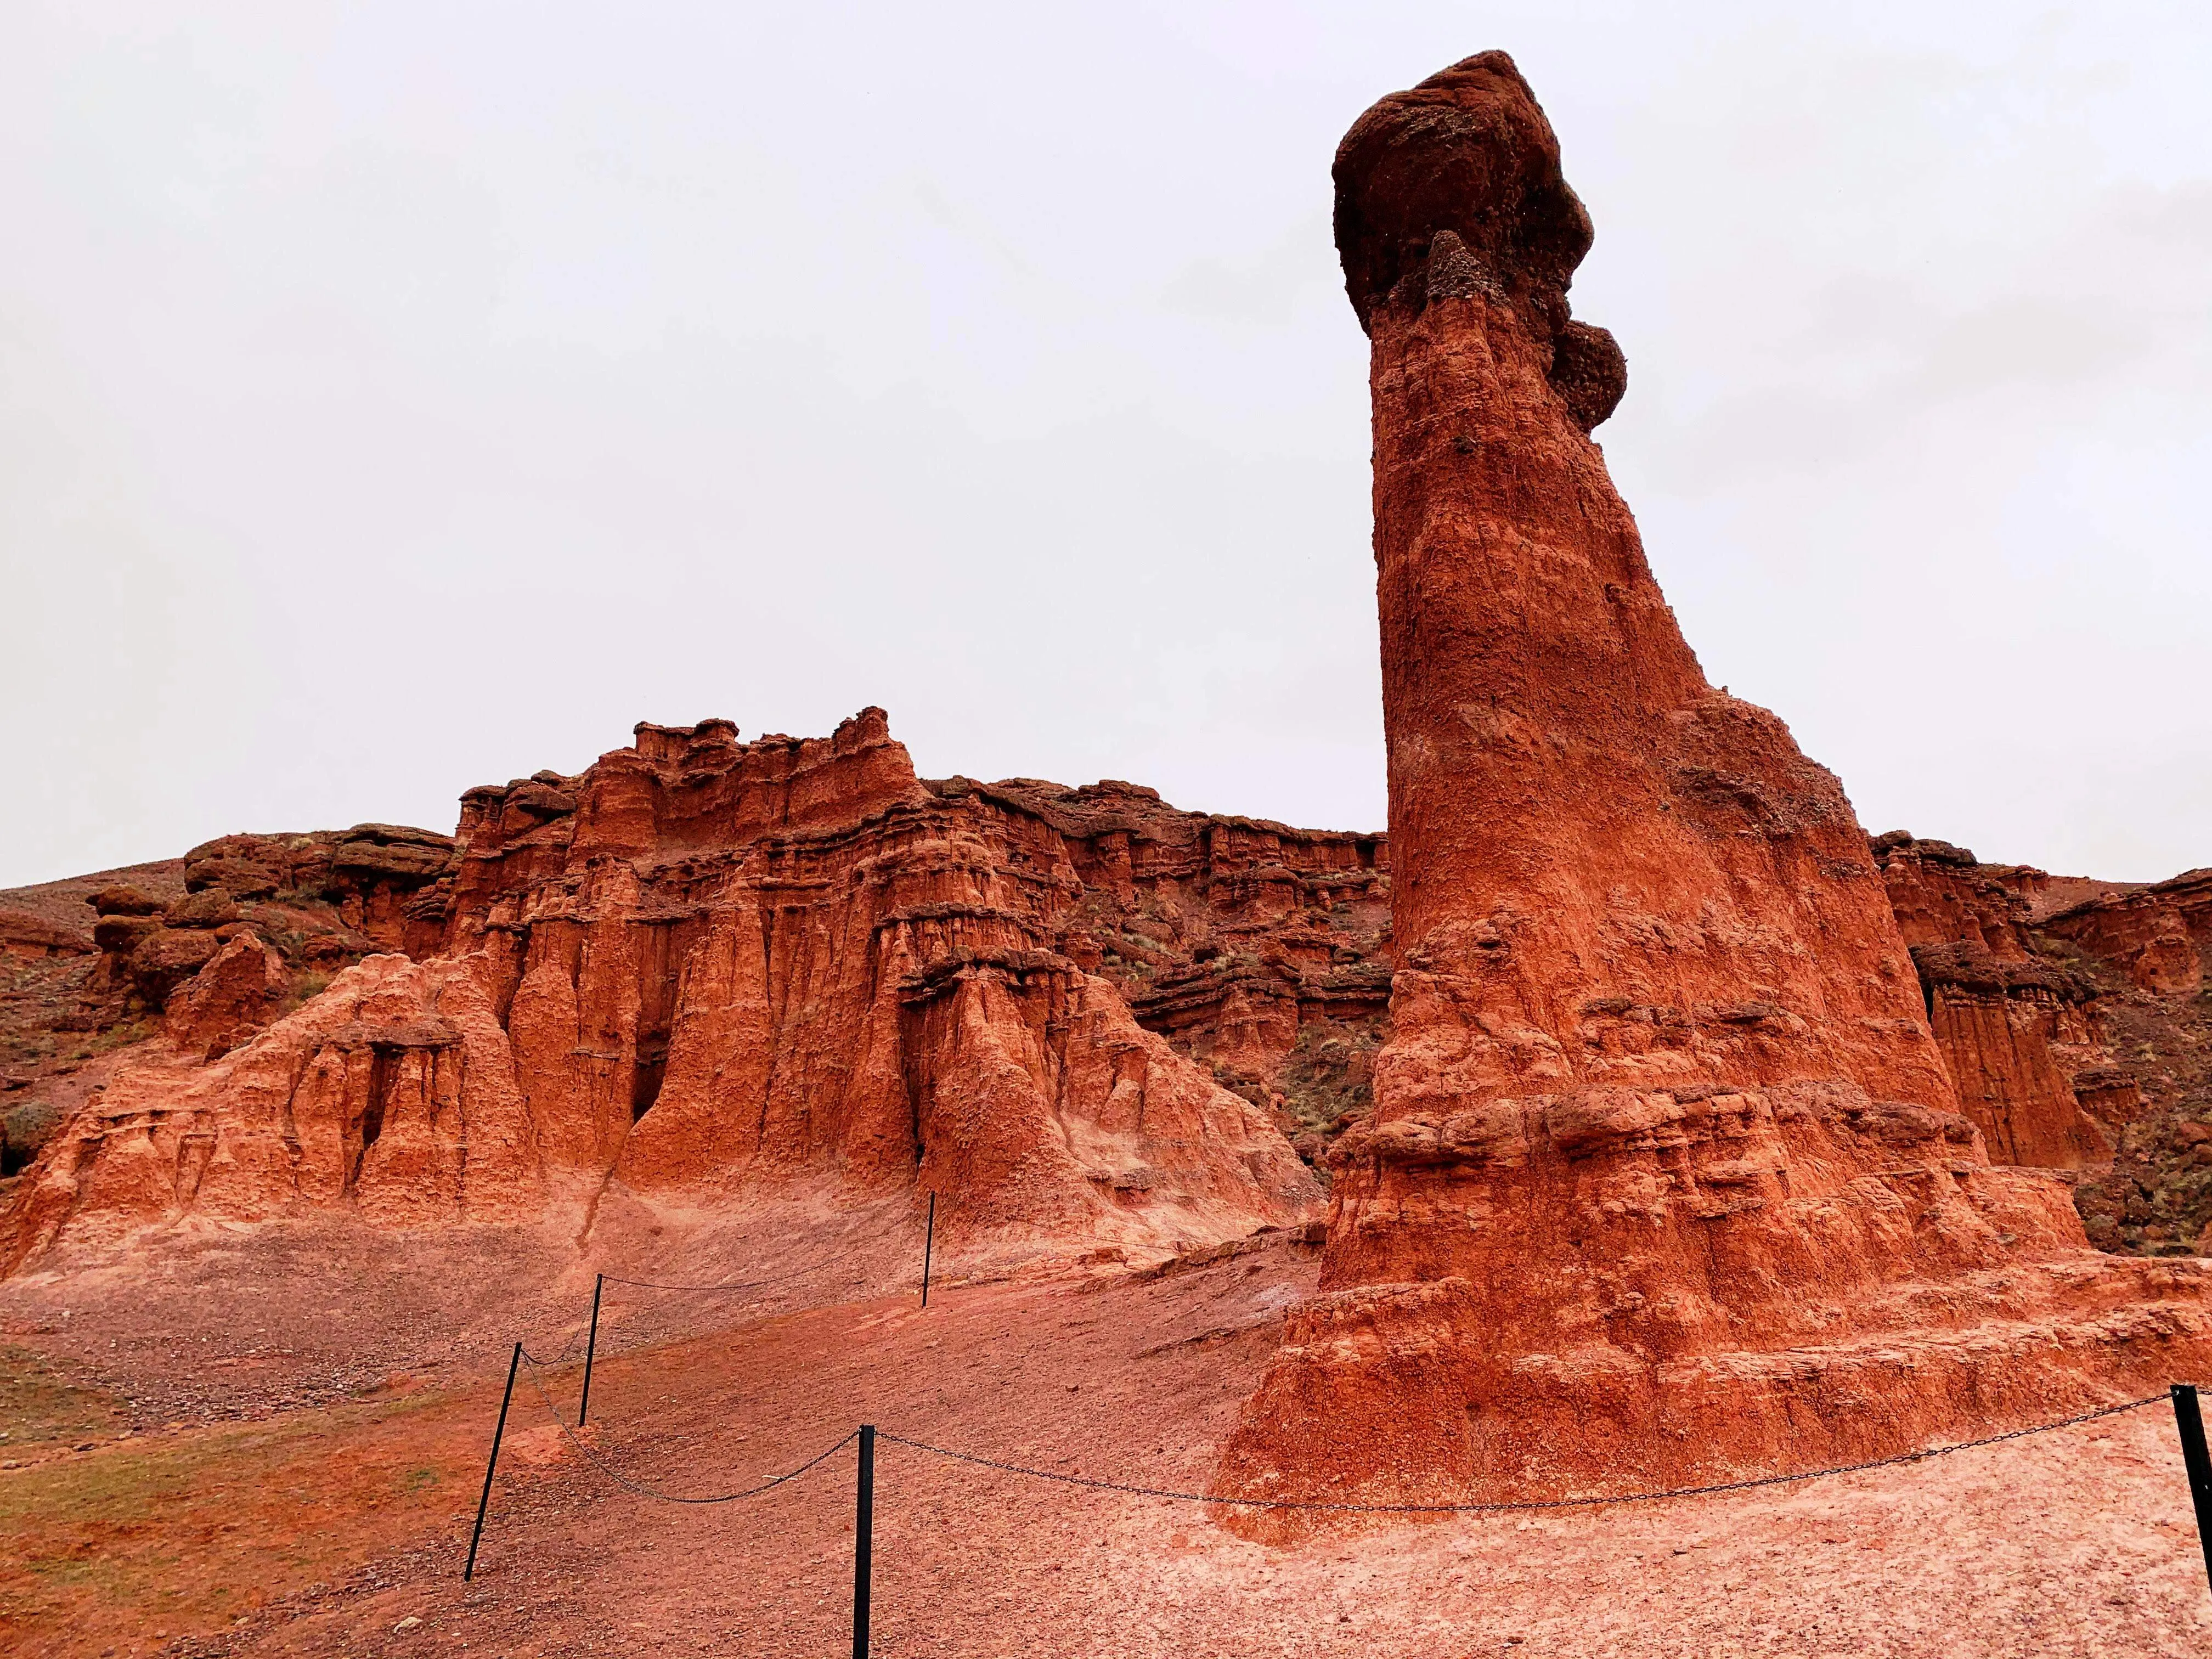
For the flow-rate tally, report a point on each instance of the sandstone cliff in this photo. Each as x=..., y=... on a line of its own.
x=1665, y=1178
x=1261, y=952
x=2073, y=1022
x=2020, y=1032
x=1678, y=1131
x=2144, y=951
x=700, y=964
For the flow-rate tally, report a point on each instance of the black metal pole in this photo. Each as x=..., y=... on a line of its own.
x=497, y=1434
x=591, y=1348
x=864, y=1540
x=2198, y=1462
x=928, y=1244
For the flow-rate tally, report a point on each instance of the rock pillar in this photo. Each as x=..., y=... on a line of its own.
x=1663, y=1160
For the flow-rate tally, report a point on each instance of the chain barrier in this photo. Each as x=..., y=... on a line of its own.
x=568, y=1349
x=1093, y=1484
x=1531, y=1504
x=638, y=1486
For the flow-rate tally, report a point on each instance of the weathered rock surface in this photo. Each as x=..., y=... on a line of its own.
x=2021, y=1038
x=2145, y=951
x=31, y=938
x=241, y=989
x=321, y=900
x=114, y=951
x=61, y=1017
x=2159, y=934
x=1260, y=950
x=2074, y=1026
x=1264, y=953
x=700, y=964
x=1679, y=1132
x=1665, y=1180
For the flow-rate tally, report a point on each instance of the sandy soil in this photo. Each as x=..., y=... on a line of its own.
x=240, y=1493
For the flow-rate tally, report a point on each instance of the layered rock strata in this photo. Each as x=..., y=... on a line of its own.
x=2159, y=934
x=2147, y=952
x=322, y=899
x=1261, y=951
x=1665, y=1180
x=2073, y=1021
x=2020, y=1030
x=700, y=964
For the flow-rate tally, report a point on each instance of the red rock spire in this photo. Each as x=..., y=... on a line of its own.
x=1663, y=1164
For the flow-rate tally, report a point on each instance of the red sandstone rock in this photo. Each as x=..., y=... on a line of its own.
x=121, y=899
x=33, y=938
x=1664, y=1181
x=325, y=898
x=2162, y=932
x=2145, y=948
x=165, y=957
x=1661, y=1179
x=2016, y=1027
x=386, y=882
x=1259, y=951
x=700, y=966
x=358, y=1098
x=228, y=1000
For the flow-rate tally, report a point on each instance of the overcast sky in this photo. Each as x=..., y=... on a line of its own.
x=397, y=397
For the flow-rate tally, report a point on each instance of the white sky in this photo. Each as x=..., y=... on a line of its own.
x=399, y=397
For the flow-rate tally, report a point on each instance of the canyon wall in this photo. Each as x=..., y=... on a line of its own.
x=1665, y=1178
x=2073, y=1020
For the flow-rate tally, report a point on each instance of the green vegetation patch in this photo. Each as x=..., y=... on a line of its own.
x=37, y=1406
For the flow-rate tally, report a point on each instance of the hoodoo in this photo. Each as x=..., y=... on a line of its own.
x=1664, y=1180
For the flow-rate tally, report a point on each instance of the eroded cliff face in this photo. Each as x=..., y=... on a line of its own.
x=198, y=952
x=2021, y=1031
x=1677, y=1131
x=700, y=964
x=322, y=899
x=1261, y=951
x=1665, y=1176
x=2144, y=951
x=2074, y=1023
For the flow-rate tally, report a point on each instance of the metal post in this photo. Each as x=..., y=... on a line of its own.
x=2198, y=1462
x=928, y=1243
x=591, y=1348
x=864, y=1539
x=497, y=1434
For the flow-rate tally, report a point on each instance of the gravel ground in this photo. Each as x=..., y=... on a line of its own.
x=2076, y=1542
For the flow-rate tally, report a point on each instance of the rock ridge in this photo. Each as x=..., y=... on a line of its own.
x=700, y=964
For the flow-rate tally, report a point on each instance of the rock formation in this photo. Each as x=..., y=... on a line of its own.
x=2144, y=951
x=2019, y=1030
x=1665, y=1180
x=2072, y=1022
x=2159, y=934
x=1677, y=1131
x=700, y=964
x=1260, y=950
x=29, y=938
